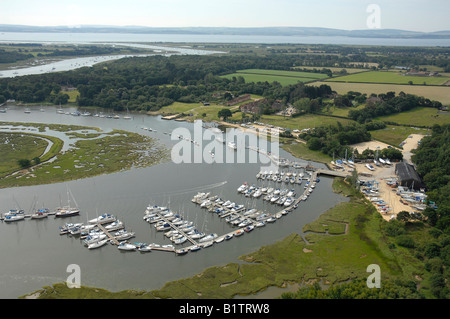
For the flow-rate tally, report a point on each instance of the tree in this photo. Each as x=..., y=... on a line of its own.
x=24, y=163
x=403, y=216
x=36, y=160
x=224, y=113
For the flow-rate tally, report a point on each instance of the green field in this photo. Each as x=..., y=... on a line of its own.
x=283, y=77
x=421, y=116
x=394, y=135
x=390, y=78
x=198, y=111
x=436, y=93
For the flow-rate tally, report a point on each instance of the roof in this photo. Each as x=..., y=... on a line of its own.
x=408, y=175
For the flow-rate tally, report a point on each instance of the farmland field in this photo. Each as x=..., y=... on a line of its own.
x=283, y=77
x=421, y=116
x=389, y=77
x=438, y=93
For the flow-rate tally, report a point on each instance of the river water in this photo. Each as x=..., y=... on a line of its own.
x=33, y=254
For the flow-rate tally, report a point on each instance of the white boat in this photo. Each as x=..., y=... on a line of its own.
x=180, y=240
x=103, y=219
x=195, y=248
x=40, y=213
x=67, y=227
x=98, y=244
x=242, y=188
x=219, y=240
x=144, y=247
x=182, y=251
x=288, y=202
x=116, y=225
x=249, y=228
x=14, y=218
x=274, y=199
x=123, y=235
x=94, y=238
x=126, y=246
x=232, y=145
x=260, y=224
x=208, y=238
x=207, y=244
x=238, y=232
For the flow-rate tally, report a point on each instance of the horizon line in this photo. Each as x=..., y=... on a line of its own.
x=211, y=27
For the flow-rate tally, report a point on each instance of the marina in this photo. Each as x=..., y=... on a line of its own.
x=127, y=194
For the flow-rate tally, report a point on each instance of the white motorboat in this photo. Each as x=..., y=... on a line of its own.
x=114, y=226
x=126, y=246
x=103, y=219
x=208, y=238
x=98, y=244
x=274, y=199
x=249, y=228
x=288, y=202
x=219, y=240
x=238, y=232
x=180, y=240
x=195, y=248
x=207, y=244
x=144, y=247
x=14, y=218
x=123, y=235
x=67, y=227
x=15, y=212
x=260, y=224
x=94, y=238
x=242, y=188
x=182, y=251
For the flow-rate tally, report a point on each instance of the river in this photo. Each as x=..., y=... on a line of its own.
x=154, y=41
x=34, y=255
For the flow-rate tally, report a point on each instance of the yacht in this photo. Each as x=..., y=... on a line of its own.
x=40, y=213
x=97, y=244
x=208, y=238
x=123, y=235
x=14, y=218
x=103, y=219
x=126, y=246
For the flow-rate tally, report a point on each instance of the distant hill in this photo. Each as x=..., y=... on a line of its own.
x=269, y=31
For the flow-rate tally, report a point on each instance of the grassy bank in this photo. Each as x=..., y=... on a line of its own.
x=356, y=243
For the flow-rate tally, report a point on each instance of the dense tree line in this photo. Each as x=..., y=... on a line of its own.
x=357, y=289
x=433, y=164
x=333, y=140
x=149, y=83
x=12, y=57
x=390, y=104
x=432, y=158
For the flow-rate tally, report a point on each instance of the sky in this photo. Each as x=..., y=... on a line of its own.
x=413, y=15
